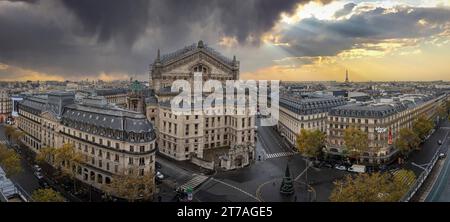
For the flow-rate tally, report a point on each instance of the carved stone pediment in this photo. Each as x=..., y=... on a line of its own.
x=198, y=57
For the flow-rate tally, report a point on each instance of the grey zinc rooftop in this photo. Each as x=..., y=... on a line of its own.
x=377, y=110
x=110, y=118
x=306, y=106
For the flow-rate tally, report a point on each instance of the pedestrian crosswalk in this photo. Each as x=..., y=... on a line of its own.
x=281, y=154
x=405, y=180
x=194, y=182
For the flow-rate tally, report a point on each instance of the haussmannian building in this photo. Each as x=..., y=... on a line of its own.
x=5, y=105
x=113, y=141
x=309, y=113
x=211, y=141
x=381, y=120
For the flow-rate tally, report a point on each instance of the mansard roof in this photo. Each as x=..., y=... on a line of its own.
x=105, y=116
x=192, y=49
x=380, y=110
x=307, y=106
x=108, y=117
x=110, y=92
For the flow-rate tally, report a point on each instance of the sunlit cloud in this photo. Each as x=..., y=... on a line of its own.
x=228, y=42
x=14, y=73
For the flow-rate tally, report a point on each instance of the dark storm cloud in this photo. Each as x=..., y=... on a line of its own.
x=241, y=19
x=111, y=18
x=90, y=36
x=345, y=10
x=314, y=37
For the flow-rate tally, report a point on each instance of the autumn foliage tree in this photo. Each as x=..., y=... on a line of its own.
x=310, y=143
x=65, y=159
x=47, y=195
x=13, y=134
x=375, y=187
x=422, y=127
x=356, y=142
x=10, y=161
x=407, y=141
x=131, y=186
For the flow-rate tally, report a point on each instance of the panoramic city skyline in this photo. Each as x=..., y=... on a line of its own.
x=289, y=40
x=144, y=101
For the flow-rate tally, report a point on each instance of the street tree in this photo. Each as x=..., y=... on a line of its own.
x=422, y=127
x=66, y=159
x=356, y=142
x=375, y=187
x=447, y=106
x=441, y=111
x=310, y=143
x=46, y=155
x=131, y=185
x=17, y=135
x=10, y=161
x=407, y=141
x=47, y=195
x=9, y=130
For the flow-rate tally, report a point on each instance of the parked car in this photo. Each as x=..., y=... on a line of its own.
x=357, y=168
x=340, y=167
x=440, y=142
x=37, y=168
x=442, y=155
x=39, y=175
x=159, y=175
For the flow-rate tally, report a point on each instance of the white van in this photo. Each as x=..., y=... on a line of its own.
x=357, y=168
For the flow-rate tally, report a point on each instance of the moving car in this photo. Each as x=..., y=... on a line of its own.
x=159, y=175
x=440, y=142
x=37, y=168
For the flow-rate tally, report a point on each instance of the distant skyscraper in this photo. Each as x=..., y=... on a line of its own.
x=346, y=75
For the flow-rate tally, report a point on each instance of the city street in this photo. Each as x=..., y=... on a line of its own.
x=26, y=179
x=440, y=191
x=243, y=184
x=428, y=149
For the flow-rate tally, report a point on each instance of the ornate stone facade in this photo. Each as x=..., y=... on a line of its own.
x=225, y=141
x=382, y=121
x=113, y=141
x=5, y=105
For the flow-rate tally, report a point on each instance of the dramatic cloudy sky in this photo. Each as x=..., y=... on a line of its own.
x=274, y=39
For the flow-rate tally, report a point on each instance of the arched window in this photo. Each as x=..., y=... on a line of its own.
x=200, y=68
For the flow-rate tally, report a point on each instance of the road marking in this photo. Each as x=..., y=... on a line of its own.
x=298, y=177
x=194, y=182
x=237, y=188
x=281, y=154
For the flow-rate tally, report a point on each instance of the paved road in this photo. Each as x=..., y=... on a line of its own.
x=440, y=191
x=242, y=184
x=26, y=178
x=428, y=150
